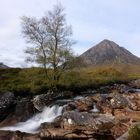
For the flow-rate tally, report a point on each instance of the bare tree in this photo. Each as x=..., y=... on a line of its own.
x=51, y=40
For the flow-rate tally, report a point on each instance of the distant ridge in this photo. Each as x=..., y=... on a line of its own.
x=108, y=52
x=3, y=66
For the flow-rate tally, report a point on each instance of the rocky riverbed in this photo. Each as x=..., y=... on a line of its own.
x=106, y=113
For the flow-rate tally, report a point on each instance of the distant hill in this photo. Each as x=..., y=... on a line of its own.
x=3, y=66
x=108, y=52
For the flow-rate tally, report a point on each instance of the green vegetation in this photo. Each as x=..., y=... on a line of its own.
x=50, y=40
x=33, y=81
x=134, y=133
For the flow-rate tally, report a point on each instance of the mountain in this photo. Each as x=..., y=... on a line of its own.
x=3, y=66
x=108, y=52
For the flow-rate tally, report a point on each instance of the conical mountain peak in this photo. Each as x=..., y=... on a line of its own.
x=108, y=52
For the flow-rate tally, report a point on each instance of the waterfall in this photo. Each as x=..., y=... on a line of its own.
x=32, y=125
x=94, y=108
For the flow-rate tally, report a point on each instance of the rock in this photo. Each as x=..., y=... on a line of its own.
x=86, y=121
x=105, y=108
x=40, y=101
x=127, y=114
x=133, y=101
x=122, y=88
x=60, y=133
x=117, y=101
x=135, y=83
x=23, y=111
x=7, y=103
x=99, y=98
x=80, y=125
x=6, y=135
x=17, y=135
x=119, y=129
x=102, y=104
x=69, y=107
x=55, y=124
x=124, y=136
x=85, y=104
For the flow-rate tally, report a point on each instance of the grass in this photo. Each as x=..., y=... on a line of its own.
x=134, y=133
x=28, y=81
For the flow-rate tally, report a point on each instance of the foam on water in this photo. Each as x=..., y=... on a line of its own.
x=32, y=125
x=94, y=108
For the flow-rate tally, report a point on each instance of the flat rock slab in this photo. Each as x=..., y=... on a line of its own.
x=87, y=121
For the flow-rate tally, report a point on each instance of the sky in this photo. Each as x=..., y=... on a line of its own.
x=92, y=22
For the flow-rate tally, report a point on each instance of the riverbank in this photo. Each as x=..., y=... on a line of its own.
x=104, y=113
x=32, y=81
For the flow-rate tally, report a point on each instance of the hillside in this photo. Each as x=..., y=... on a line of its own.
x=108, y=52
x=3, y=66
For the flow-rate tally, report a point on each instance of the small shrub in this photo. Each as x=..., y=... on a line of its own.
x=134, y=133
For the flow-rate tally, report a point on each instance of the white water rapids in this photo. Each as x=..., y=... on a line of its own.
x=32, y=125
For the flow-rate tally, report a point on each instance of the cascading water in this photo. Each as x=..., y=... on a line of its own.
x=95, y=108
x=32, y=125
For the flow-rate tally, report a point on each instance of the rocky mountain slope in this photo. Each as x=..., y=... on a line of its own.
x=3, y=66
x=108, y=52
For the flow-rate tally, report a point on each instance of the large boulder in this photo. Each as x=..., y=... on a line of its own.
x=24, y=109
x=86, y=121
x=22, y=112
x=7, y=103
x=40, y=101
x=80, y=125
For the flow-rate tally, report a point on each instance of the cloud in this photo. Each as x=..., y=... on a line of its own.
x=92, y=21
x=9, y=31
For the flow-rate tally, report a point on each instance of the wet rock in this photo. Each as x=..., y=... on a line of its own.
x=117, y=101
x=7, y=103
x=105, y=108
x=119, y=129
x=80, y=125
x=102, y=104
x=127, y=114
x=104, y=90
x=17, y=135
x=55, y=124
x=133, y=101
x=122, y=88
x=99, y=98
x=40, y=101
x=89, y=103
x=135, y=83
x=23, y=111
x=86, y=121
x=124, y=136
x=85, y=104
x=60, y=134
x=69, y=107
x=6, y=135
